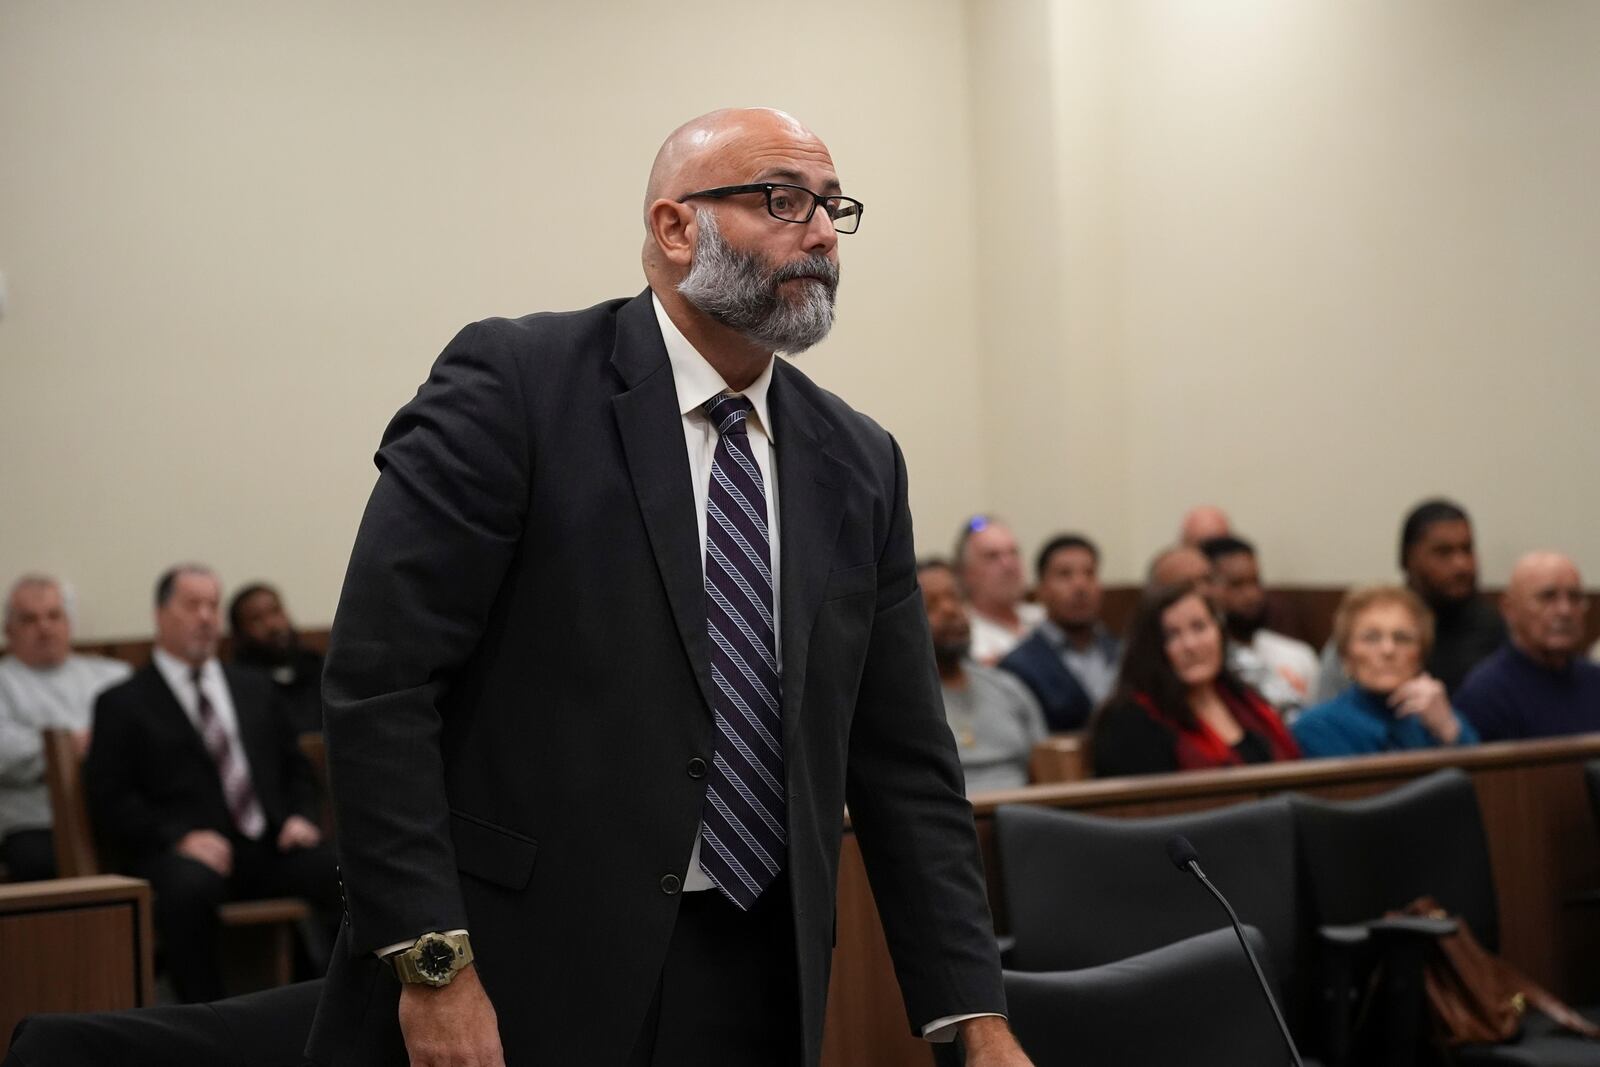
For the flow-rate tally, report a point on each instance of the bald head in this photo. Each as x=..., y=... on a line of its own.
x=1181, y=565
x=1545, y=607
x=1203, y=523
x=740, y=279
x=700, y=153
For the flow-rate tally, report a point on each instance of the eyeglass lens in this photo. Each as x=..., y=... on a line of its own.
x=793, y=204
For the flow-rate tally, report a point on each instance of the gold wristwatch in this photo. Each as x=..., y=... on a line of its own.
x=434, y=960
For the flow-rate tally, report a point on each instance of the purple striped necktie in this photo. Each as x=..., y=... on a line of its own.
x=743, y=830
x=237, y=789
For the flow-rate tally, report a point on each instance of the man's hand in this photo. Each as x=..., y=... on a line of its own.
x=207, y=847
x=298, y=832
x=989, y=1043
x=1424, y=696
x=454, y=1026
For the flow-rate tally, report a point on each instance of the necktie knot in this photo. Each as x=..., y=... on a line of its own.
x=727, y=412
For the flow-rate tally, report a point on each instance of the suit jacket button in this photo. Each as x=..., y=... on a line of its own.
x=697, y=768
x=670, y=884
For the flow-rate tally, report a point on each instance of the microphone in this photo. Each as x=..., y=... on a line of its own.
x=1184, y=857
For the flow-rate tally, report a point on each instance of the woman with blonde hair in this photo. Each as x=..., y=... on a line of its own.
x=1383, y=635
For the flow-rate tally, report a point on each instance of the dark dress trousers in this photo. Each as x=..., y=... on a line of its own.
x=517, y=696
x=150, y=781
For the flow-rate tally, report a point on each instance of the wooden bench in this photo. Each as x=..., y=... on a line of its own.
x=83, y=944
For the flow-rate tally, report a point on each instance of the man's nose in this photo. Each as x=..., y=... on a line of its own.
x=820, y=237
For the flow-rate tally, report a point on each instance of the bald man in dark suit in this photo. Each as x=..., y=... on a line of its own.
x=595, y=701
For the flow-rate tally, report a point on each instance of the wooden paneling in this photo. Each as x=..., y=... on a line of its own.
x=1543, y=842
x=1060, y=758
x=74, y=944
x=1303, y=611
x=863, y=986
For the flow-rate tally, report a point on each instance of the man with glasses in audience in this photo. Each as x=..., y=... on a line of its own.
x=43, y=685
x=1440, y=562
x=989, y=566
x=1538, y=684
x=632, y=613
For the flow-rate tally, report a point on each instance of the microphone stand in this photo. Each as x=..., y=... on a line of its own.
x=1194, y=865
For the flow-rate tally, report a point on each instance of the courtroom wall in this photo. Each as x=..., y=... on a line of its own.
x=1312, y=261
x=237, y=234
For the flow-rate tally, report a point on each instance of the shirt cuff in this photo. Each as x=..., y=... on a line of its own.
x=398, y=946
x=943, y=1030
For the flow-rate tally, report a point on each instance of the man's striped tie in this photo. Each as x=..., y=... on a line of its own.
x=742, y=827
x=237, y=789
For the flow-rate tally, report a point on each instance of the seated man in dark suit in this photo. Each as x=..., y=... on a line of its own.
x=264, y=638
x=196, y=784
x=1070, y=661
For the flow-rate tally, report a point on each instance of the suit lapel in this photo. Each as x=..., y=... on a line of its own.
x=164, y=702
x=658, y=464
x=257, y=732
x=810, y=506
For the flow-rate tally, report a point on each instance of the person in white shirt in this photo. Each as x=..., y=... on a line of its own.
x=43, y=685
x=989, y=566
x=1282, y=669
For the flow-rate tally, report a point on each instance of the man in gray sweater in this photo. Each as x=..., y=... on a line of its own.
x=42, y=684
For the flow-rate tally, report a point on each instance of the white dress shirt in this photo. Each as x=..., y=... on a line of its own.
x=696, y=382
x=179, y=677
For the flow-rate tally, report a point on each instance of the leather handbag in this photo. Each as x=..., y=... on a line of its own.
x=1475, y=996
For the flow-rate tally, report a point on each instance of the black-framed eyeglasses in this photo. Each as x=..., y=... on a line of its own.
x=794, y=203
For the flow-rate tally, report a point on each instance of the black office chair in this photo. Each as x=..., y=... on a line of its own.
x=266, y=1029
x=1083, y=890
x=1194, y=1002
x=1364, y=857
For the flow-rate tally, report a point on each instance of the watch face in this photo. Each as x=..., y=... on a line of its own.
x=435, y=958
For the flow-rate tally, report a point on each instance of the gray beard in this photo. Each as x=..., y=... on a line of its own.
x=736, y=289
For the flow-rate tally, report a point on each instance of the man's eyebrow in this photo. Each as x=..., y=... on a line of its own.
x=794, y=177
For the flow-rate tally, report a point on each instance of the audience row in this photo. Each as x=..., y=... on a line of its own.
x=196, y=782
x=1199, y=680
x=195, y=778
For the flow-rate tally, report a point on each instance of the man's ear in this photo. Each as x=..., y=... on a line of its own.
x=673, y=228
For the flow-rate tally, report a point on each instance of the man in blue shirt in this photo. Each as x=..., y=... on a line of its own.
x=1539, y=684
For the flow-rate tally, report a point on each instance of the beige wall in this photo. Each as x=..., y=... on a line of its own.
x=1314, y=261
x=1311, y=260
x=236, y=235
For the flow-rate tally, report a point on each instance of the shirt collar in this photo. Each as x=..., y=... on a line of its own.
x=698, y=381
x=1057, y=637
x=177, y=672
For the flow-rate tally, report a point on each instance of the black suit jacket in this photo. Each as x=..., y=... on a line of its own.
x=518, y=680
x=150, y=779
